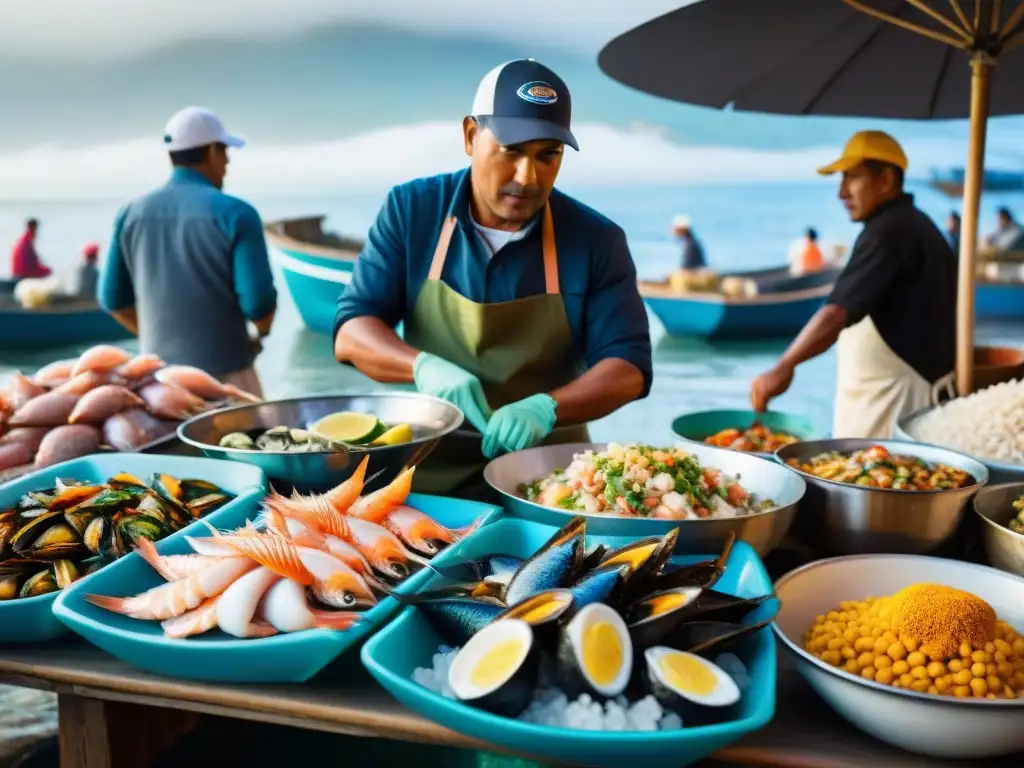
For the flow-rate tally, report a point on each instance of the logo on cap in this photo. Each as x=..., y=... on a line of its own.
x=537, y=92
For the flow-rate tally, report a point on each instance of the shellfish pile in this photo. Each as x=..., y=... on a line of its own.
x=53, y=536
x=601, y=624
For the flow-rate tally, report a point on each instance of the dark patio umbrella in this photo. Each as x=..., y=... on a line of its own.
x=910, y=59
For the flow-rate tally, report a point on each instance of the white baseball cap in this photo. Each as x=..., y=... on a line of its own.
x=195, y=127
x=681, y=221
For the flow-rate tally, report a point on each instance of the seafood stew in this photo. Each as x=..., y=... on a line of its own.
x=757, y=439
x=52, y=536
x=640, y=481
x=876, y=467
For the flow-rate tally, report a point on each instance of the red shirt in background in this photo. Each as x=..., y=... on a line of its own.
x=25, y=261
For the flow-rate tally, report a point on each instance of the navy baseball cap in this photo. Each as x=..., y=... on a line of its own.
x=522, y=101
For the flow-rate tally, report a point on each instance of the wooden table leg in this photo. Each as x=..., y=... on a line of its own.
x=111, y=734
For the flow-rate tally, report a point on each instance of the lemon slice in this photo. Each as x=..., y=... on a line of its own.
x=398, y=434
x=348, y=427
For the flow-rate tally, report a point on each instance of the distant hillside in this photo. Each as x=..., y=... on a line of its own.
x=336, y=82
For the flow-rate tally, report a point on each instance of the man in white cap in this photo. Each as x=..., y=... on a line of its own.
x=188, y=268
x=693, y=251
x=519, y=304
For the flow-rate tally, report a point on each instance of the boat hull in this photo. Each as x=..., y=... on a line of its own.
x=57, y=327
x=722, y=319
x=999, y=301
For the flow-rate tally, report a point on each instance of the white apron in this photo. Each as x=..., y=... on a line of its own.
x=875, y=387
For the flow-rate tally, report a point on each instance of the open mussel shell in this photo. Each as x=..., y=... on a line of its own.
x=498, y=569
x=544, y=611
x=108, y=501
x=552, y=565
x=645, y=557
x=65, y=572
x=124, y=481
x=699, y=691
x=497, y=670
x=95, y=534
x=8, y=527
x=34, y=500
x=712, y=605
x=40, y=583
x=592, y=559
x=73, y=495
x=654, y=617
x=9, y=586
x=704, y=574
x=47, y=536
x=606, y=584
x=132, y=527
x=595, y=653
x=706, y=637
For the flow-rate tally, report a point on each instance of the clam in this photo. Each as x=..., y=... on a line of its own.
x=497, y=670
x=275, y=439
x=238, y=441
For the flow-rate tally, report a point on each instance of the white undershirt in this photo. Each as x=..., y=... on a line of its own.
x=496, y=239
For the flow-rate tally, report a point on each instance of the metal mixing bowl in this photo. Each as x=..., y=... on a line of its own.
x=846, y=519
x=764, y=478
x=998, y=471
x=430, y=419
x=994, y=505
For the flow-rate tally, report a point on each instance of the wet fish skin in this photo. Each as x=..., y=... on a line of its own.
x=49, y=410
x=131, y=429
x=552, y=565
x=457, y=619
x=97, y=406
x=169, y=402
x=68, y=442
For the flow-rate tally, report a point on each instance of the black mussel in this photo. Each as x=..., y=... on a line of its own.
x=79, y=519
x=703, y=574
x=9, y=586
x=93, y=564
x=155, y=507
x=645, y=557
x=123, y=481
x=41, y=583
x=74, y=495
x=25, y=538
x=655, y=616
x=108, y=501
x=65, y=572
x=95, y=533
x=204, y=505
x=463, y=589
x=718, y=606
x=605, y=585
x=129, y=527
x=543, y=609
x=710, y=636
x=592, y=559
x=552, y=566
x=498, y=669
x=167, y=486
x=456, y=619
x=8, y=527
x=496, y=568
x=192, y=489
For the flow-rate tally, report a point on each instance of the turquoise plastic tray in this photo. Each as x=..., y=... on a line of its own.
x=694, y=427
x=409, y=642
x=31, y=620
x=216, y=656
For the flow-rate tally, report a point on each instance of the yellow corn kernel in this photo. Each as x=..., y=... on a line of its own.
x=936, y=669
x=978, y=669
x=966, y=650
x=990, y=647
x=995, y=685
x=848, y=652
x=852, y=667
x=962, y=691
x=896, y=652
x=868, y=673
x=983, y=656
x=942, y=684
x=832, y=657
x=932, y=689
x=920, y=685
x=910, y=643
x=884, y=676
x=863, y=644
x=883, y=661
x=879, y=646
x=906, y=680
x=919, y=673
x=963, y=677
x=900, y=668
x=916, y=659
x=955, y=665
x=979, y=687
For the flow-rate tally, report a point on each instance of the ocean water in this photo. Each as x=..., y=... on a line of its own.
x=741, y=226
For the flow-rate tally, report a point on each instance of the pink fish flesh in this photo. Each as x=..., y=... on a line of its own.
x=134, y=428
x=49, y=410
x=103, y=402
x=169, y=402
x=70, y=442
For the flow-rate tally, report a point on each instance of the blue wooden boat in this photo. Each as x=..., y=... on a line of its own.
x=950, y=181
x=781, y=308
x=316, y=265
x=63, y=323
x=999, y=299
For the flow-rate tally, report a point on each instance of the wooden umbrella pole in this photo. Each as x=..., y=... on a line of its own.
x=981, y=68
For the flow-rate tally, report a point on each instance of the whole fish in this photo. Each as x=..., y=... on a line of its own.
x=139, y=367
x=421, y=532
x=100, y=404
x=201, y=384
x=456, y=619
x=552, y=565
x=82, y=383
x=68, y=442
x=101, y=358
x=168, y=402
x=131, y=429
x=21, y=389
x=55, y=373
x=49, y=410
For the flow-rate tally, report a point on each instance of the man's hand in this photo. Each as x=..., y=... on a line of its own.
x=519, y=425
x=769, y=385
x=436, y=376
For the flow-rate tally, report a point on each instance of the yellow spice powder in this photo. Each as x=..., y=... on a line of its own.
x=940, y=618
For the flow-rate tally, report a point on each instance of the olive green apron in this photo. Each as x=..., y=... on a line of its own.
x=516, y=348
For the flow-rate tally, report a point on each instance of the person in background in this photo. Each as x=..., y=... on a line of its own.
x=25, y=262
x=519, y=304
x=806, y=256
x=87, y=276
x=953, y=232
x=892, y=309
x=693, y=251
x=1008, y=235
x=188, y=267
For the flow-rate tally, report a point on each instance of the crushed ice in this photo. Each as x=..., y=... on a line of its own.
x=551, y=707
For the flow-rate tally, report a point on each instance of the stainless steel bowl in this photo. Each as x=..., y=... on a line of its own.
x=994, y=505
x=998, y=471
x=430, y=419
x=845, y=519
x=763, y=477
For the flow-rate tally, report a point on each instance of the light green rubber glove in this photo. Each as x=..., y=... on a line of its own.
x=436, y=376
x=519, y=425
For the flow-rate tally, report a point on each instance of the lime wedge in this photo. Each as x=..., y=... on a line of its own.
x=398, y=434
x=349, y=427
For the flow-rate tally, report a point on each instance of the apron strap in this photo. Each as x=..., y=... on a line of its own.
x=551, y=284
x=944, y=386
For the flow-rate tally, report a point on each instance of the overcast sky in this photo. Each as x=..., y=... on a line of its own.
x=101, y=28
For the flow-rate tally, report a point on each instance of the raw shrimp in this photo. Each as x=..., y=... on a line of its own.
x=375, y=506
x=195, y=622
x=49, y=410
x=82, y=383
x=174, y=567
x=174, y=403
x=421, y=532
x=21, y=389
x=68, y=442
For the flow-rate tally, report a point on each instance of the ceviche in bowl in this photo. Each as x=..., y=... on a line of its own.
x=641, y=481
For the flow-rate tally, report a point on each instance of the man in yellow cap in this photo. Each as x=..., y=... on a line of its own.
x=892, y=309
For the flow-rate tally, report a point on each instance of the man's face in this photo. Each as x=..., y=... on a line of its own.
x=863, y=191
x=217, y=158
x=513, y=182
x=1004, y=220
x=952, y=225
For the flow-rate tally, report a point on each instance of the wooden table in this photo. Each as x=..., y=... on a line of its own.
x=112, y=716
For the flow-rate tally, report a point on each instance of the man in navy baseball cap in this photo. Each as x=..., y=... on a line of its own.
x=519, y=304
